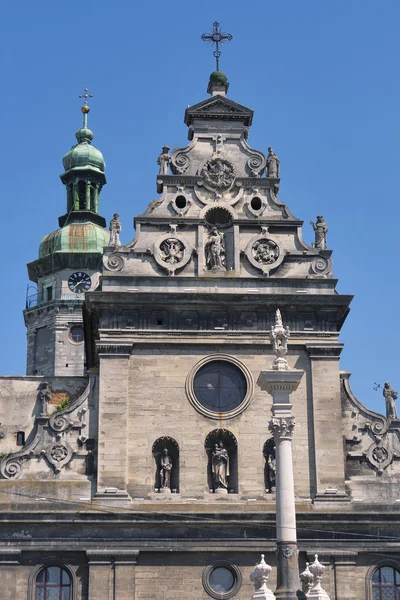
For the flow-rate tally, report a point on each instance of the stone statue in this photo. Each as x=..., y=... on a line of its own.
x=115, y=230
x=44, y=397
x=215, y=250
x=321, y=229
x=164, y=161
x=165, y=470
x=273, y=163
x=220, y=466
x=270, y=472
x=279, y=337
x=390, y=397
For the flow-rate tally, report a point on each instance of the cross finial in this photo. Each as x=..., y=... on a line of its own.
x=85, y=108
x=216, y=37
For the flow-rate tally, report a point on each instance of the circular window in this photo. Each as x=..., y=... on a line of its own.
x=219, y=385
x=222, y=579
x=76, y=335
x=256, y=203
x=180, y=202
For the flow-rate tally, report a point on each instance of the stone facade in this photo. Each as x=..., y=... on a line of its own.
x=194, y=295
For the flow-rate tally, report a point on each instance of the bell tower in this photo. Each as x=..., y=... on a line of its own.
x=68, y=264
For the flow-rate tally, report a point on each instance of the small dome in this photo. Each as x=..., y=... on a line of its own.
x=83, y=154
x=75, y=237
x=218, y=78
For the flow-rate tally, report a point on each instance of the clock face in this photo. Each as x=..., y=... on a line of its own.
x=79, y=282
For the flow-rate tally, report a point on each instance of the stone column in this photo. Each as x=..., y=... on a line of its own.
x=87, y=199
x=280, y=382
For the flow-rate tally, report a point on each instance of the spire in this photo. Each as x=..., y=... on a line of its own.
x=84, y=174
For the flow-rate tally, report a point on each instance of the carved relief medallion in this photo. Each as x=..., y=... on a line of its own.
x=379, y=456
x=171, y=251
x=219, y=173
x=265, y=251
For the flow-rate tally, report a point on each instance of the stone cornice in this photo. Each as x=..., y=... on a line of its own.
x=113, y=555
x=326, y=351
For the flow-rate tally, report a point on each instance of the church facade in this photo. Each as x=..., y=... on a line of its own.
x=136, y=460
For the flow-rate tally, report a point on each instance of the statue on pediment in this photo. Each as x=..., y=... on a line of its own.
x=164, y=161
x=320, y=229
x=390, y=398
x=273, y=164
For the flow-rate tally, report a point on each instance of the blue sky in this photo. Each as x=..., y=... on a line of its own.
x=322, y=78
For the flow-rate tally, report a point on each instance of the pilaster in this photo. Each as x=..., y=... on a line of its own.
x=113, y=422
x=9, y=561
x=327, y=422
x=112, y=574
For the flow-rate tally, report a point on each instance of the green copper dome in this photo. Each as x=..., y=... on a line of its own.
x=83, y=154
x=75, y=237
x=218, y=78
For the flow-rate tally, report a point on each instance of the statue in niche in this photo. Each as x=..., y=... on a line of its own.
x=215, y=250
x=164, y=161
x=273, y=163
x=320, y=229
x=390, y=398
x=44, y=397
x=270, y=471
x=220, y=466
x=165, y=470
x=265, y=251
x=115, y=230
x=172, y=251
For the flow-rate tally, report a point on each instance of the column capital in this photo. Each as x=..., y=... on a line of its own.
x=282, y=427
x=280, y=381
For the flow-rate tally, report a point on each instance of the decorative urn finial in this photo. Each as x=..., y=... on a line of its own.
x=259, y=577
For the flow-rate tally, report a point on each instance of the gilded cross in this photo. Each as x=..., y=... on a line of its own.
x=85, y=95
x=216, y=37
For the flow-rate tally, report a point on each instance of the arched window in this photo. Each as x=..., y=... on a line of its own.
x=386, y=584
x=82, y=195
x=53, y=583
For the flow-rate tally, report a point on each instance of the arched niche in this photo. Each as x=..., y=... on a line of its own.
x=169, y=444
x=269, y=465
x=225, y=440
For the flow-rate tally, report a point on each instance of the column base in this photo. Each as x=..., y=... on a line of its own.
x=288, y=579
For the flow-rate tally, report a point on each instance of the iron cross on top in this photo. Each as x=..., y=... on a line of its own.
x=216, y=37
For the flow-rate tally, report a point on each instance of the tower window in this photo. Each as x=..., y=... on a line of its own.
x=48, y=293
x=92, y=196
x=82, y=195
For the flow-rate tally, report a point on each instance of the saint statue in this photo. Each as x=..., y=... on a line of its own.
x=220, y=466
x=44, y=397
x=164, y=161
x=321, y=229
x=390, y=397
x=165, y=470
x=115, y=230
x=270, y=472
x=215, y=250
x=272, y=163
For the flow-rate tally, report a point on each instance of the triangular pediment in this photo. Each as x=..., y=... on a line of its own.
x=219, y=107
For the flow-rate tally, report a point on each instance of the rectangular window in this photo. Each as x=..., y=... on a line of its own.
x=49, y=293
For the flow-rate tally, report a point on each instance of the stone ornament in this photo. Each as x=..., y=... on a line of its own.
x=307, y=579
x=165, y=471
x=215, y=251
x=390, y=399
x=218, y=173
x=320, y=230
x=259, y=578
x=172, y=252
x=282, y=427
x=113, y=262
x=58, y=455
x=180, y=159
x=264, y=253
x=279, y=337
x=115, y=229
x=317, y=570
x=379, y=455
x=321, y=266
x=44, y=397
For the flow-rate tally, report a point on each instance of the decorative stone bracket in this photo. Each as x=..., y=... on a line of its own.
x=49, y=441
